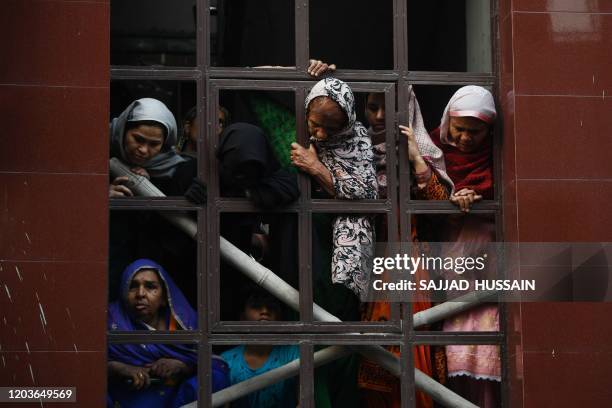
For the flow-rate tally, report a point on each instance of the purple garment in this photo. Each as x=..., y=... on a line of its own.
x=119, y=319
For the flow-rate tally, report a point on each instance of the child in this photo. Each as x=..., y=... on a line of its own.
x=248, y=361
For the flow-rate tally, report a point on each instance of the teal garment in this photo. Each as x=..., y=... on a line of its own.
x=279, y=125
x=279, y=395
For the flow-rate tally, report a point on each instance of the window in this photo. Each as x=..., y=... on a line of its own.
x=246, y=60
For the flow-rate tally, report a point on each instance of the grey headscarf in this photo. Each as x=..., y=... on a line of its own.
x=348, y=157
x=163, y=164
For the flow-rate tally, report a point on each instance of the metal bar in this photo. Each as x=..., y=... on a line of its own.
x=292, y=73
x=446, y=207
x=156, y=203
x=449, y=78
x=292, y=85
x=302, y=43
x=304, y=215
x=165, y=337
x=242, y=205
x=301, y=326
x=452, y=338
x=213, y=215
x=356, y=206
x=408, y=390
x=311, y=338
x=159, y=73
x=205, y=311
x=202, y=54
x=306, y=370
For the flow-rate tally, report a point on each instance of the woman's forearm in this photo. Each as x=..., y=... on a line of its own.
x=116, y=368
x=323, y=176
x=421, y=167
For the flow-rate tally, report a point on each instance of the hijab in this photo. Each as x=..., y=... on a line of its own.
x=469, y=170
x=341, y=93
x=348, y=152
x=164, y=163
x=119, y=318
x=247, y=162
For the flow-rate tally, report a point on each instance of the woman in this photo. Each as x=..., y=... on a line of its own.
x=465, y=138
x=248, y=168
x=340, y=160
x=187, y=144
x=430, y=182
x=153, y=375
x=143, y=137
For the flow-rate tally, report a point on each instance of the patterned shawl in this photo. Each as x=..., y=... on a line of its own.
x=348, y=156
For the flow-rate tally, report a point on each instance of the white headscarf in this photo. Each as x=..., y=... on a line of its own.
x=474, y=101
x=148, y=109
x=431, y=153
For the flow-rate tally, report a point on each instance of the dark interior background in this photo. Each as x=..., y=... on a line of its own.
x=353, y=35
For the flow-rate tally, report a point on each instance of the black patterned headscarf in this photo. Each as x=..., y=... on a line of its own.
x=348, y=157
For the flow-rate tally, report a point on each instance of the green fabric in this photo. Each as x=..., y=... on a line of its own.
x=279, y=125
x=335, y=383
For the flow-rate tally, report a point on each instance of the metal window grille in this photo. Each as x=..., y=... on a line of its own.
x=398, y=206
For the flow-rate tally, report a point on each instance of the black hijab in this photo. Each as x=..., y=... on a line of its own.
x=247, y=166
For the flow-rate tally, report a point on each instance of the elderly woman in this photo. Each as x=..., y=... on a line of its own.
x=143, y=137
x=154, y=375
x=465, y=138
x=340, y=160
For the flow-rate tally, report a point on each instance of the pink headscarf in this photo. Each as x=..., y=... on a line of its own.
x=471, y=100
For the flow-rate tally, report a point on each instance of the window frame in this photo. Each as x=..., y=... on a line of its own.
x=398, y=206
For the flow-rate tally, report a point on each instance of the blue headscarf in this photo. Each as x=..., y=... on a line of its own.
x=120, y=319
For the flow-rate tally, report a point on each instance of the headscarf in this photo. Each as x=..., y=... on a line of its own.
x=120, y=319
x=242, y=144
x=431, y=153
x=474, y=101
x=341, y=93
x=164, y=163
x=469, y=170
x=349, y=159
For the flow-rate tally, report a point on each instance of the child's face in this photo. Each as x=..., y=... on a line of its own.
x=260, y=312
